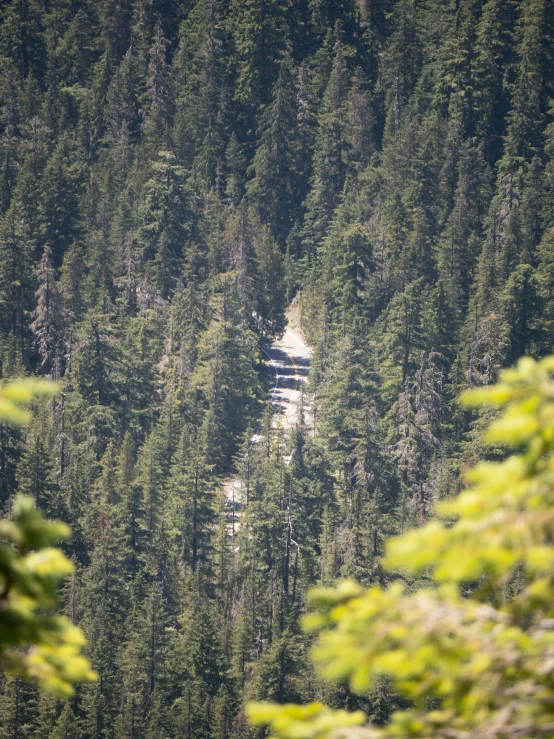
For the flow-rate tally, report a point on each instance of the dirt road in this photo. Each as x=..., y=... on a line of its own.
x=288, y=359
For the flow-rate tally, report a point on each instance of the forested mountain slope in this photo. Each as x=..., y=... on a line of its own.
x=172, y=174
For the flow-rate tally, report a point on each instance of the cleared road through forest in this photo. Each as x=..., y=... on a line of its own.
x=289, y=357
x=288, y=360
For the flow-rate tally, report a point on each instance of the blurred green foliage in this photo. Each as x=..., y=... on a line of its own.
x=16, y=396
x=34, y=642
x=474, y=652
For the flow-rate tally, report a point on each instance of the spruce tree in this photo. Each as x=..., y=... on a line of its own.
x=274, y=166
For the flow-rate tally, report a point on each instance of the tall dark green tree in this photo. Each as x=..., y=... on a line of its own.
x=274, y=166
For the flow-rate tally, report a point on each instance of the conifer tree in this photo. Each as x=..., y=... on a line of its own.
x=270, y=289
x=360, y=122
x=329, y=167
x=96, y=360
x=15, y=273
x=461, y=239
x=58, y=210
x=520, y=306
x=158, y=88
x=36, y=475
x=274, y=166
x=259, y=33
x=492, y=66
x=401, y=64
x=236, y=166
x=165, y=220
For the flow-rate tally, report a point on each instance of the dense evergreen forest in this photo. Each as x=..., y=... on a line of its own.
x=172, y=176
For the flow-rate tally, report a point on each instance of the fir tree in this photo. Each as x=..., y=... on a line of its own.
x=272, y=186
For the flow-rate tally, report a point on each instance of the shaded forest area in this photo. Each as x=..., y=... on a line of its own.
x=172, y=175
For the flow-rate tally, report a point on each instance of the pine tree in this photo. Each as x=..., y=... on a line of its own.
x=67, y=725
x=521, y=308
x=165, y=220
x=329, y=164
x=524, y=129
x=360, y=122
x=105, y=602
x=454, y=81
x=273, y=169
x=270, y=288
x=401, y=65
x=96, y=360
x=543, y=277
x=200, y=71
x=461, y=240
x=259, y=34
x=21, y=39
x=71, y=283
x=158, y=88
x=149, y=482
x=15, y=273
x=236, y=166
x=491, y=70
x=402, y=334
x=123, y=105
x=36, y=474
x=225, y=375
x=58, y=210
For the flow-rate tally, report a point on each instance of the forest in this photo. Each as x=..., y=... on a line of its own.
x=174, y=175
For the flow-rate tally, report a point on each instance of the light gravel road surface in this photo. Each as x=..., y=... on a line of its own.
x=288, y=361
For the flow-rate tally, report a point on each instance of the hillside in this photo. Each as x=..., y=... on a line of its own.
x=172, y=176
